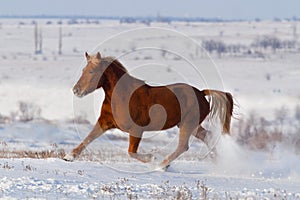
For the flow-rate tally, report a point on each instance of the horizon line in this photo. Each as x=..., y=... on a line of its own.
x=152, y=18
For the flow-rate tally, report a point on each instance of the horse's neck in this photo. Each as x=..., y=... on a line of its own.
x=115, y=78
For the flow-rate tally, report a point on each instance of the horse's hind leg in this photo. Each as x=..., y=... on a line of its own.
x=133, y=147
x=200, y=133
x=185, y=133
x=95, y=133
x=205, y=136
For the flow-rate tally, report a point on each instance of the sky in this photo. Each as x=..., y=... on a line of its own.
x=225, y=9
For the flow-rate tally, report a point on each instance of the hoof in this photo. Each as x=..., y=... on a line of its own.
x=69, y=157
x=163, y=168
x=164, y=165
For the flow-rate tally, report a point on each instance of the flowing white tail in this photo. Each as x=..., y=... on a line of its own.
x=221, y=105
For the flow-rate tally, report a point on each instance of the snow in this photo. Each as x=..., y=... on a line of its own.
x=31, y=166
x=82, y=179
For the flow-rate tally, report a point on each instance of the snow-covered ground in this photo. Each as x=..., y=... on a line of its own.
x=39, y=86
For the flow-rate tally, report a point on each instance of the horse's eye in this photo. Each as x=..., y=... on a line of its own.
x=91, y=72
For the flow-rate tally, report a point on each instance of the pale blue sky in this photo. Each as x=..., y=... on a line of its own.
x=226, y=9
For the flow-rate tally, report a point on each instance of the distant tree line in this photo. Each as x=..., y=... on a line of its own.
x=274, y=43
x=258, y=47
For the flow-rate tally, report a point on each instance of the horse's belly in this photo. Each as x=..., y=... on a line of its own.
x=158, y=116
x=155, y=109
x=162, y=118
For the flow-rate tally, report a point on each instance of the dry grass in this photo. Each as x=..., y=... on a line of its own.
x=258, y=133
x=60, y=153
x=95, y=156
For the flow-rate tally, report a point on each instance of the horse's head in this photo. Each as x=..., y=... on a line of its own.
x=90, y=79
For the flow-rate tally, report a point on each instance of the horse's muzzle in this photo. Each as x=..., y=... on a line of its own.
x=77, y=92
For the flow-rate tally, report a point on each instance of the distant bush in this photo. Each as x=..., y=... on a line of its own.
x=258, y=133
x=288, y=44
x=214, y=46
x=274, y=43
x=257, y=49
x=267, y=42
x=4, y=119
x=28, y=111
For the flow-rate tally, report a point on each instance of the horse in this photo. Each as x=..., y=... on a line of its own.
x=133, y=106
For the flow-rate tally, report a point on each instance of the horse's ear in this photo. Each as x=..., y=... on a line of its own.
x=87, y=55
x=98, y=56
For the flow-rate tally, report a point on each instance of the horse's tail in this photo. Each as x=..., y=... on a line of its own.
x=222, y=105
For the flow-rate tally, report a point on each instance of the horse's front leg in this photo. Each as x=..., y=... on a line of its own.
x=95, y=133
x=133, y=147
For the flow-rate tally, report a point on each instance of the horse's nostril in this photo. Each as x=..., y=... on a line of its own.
x=75, y=90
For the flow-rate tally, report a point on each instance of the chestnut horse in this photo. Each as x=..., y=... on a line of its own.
x=134, y=107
